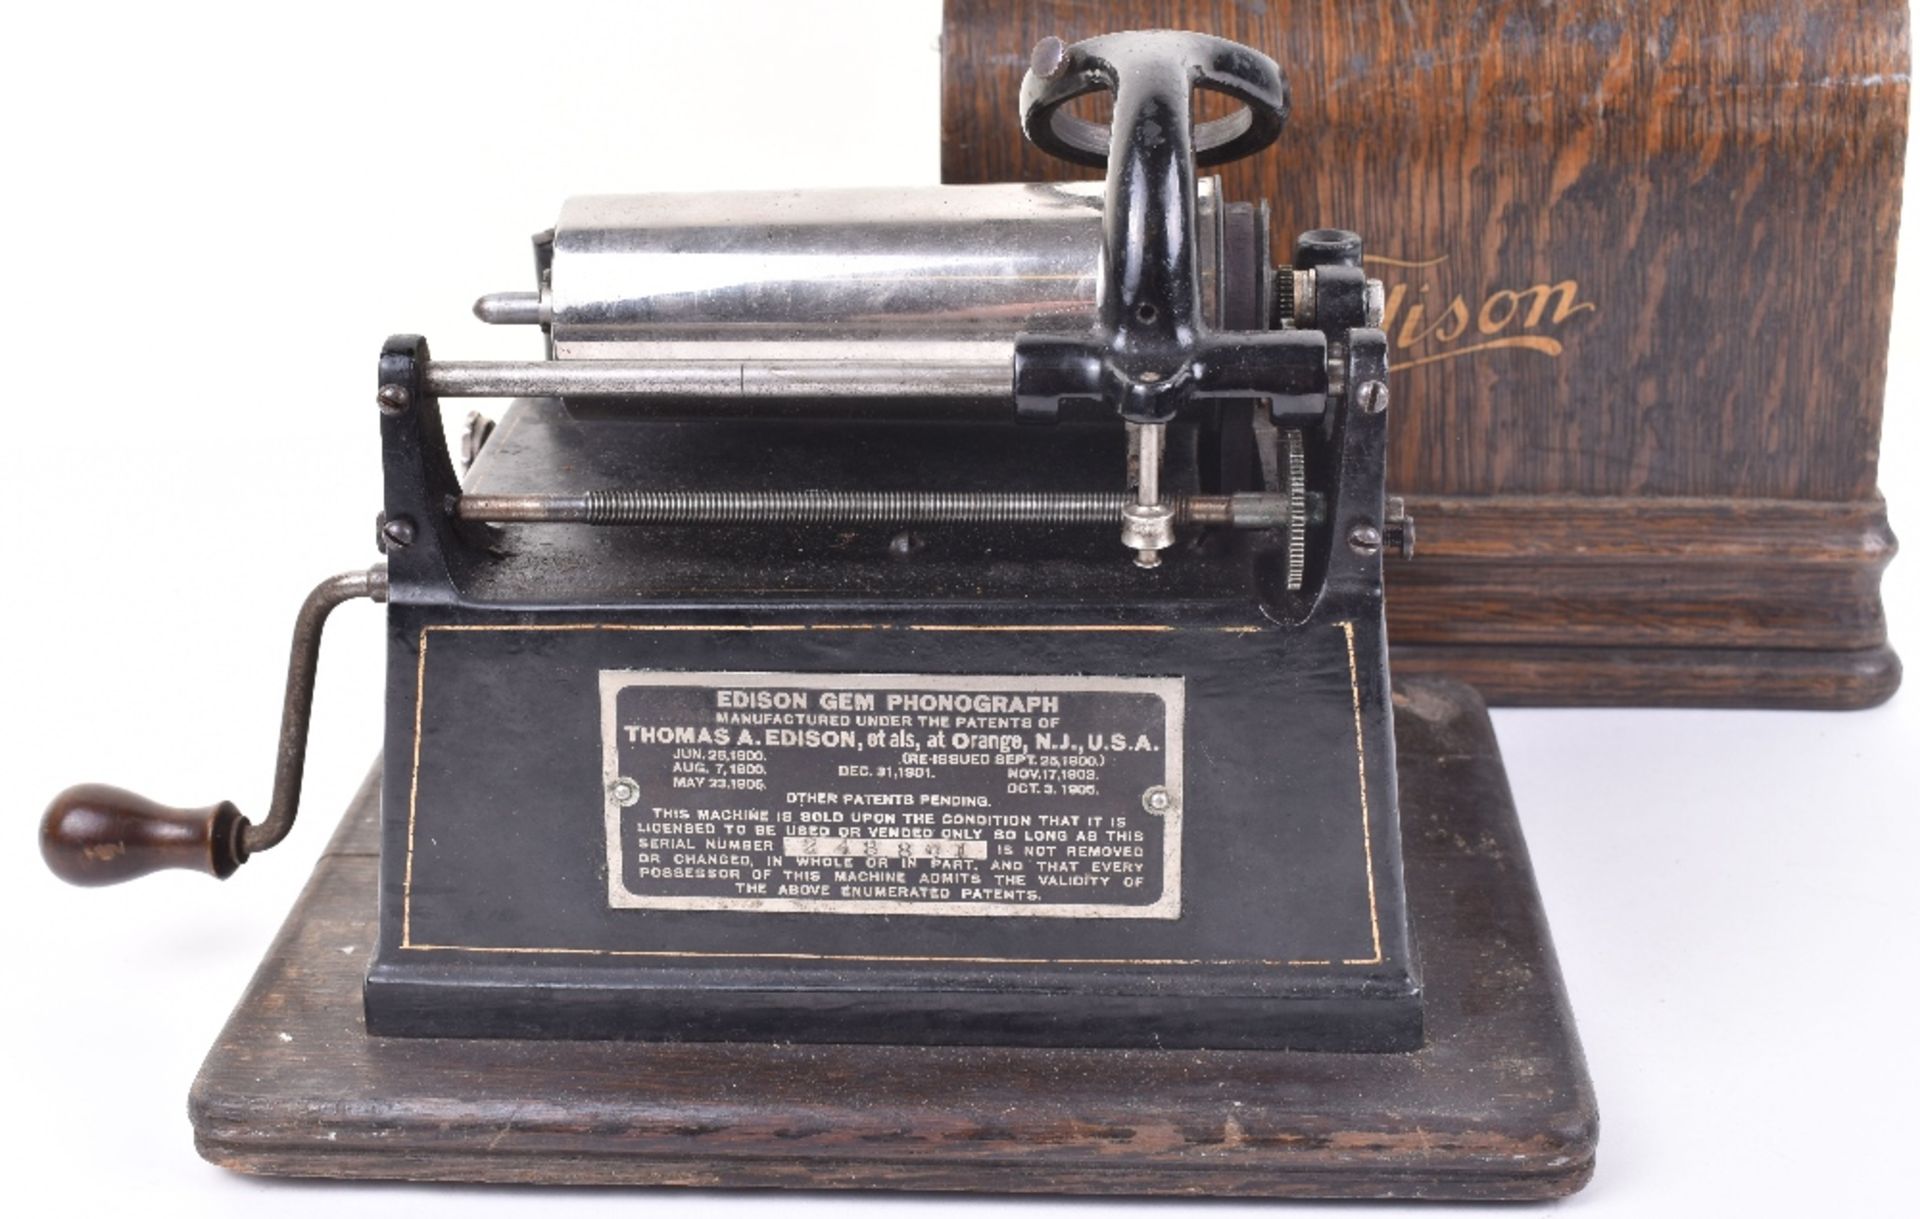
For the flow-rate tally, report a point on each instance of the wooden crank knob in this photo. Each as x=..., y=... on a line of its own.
x=99, y=835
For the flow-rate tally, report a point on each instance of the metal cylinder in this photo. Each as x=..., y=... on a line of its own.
x=719, y=382
x=933, y=275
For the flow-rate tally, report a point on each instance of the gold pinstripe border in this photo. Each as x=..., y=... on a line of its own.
x=413, y=804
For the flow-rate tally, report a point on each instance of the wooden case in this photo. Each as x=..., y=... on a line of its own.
x=1639, y=261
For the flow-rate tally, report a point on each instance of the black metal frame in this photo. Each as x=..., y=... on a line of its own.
x=504, y=935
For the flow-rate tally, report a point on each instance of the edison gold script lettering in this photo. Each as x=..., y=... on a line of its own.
x=1425, y=325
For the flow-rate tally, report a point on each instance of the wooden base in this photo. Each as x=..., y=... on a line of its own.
x=1497, y=1105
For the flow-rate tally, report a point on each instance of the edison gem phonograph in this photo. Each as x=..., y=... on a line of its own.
x=901, y=697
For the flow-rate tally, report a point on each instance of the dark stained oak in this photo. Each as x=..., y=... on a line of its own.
x=1497, y=1105
x=1640, y=264
x=1604, y=676
x=1547, y=600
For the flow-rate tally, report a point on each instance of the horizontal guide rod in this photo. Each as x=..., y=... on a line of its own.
x=720, y=379
x=1253, y=511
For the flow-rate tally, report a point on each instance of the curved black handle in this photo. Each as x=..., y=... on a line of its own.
x=1148, y=353
x=1167, y=63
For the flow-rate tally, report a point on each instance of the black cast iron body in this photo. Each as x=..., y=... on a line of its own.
x=1206, y=849
x=494, y=913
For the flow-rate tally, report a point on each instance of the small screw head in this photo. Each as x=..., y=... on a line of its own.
x=1157, y=800
x=393, y=399
x=625, y=792
x=1364, y=539
x=1049, y=58
x=1373, y=396
x=398, y=532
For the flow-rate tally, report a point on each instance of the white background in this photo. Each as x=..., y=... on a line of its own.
x=213, y=217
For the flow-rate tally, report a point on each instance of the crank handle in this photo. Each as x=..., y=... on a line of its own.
x=99, y=835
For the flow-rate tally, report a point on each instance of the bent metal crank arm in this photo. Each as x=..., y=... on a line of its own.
x=99, y=835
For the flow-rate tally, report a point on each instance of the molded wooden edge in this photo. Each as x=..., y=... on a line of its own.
x=1662, y=677
x=1794, y=585
x=1609, y=529
x=904, y=1176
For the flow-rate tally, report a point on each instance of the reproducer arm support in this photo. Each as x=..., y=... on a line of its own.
x=1150, y=352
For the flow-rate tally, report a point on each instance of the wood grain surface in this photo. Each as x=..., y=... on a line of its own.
x=1548, y=600
x=1497, y=1105
x=1635, y=252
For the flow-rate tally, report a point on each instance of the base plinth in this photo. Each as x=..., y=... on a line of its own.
x=1497, y=1105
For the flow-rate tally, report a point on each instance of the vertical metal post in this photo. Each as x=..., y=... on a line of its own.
x=1146, y=525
